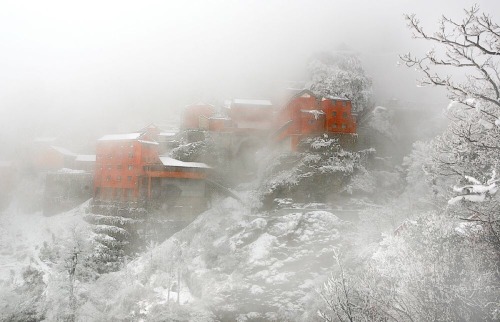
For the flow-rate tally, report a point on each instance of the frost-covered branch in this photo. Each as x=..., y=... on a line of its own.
x=472, y=44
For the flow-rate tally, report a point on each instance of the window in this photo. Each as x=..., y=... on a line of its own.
x=343, y=125
x=334, y=125
x=344, y=103
x=119, y=167
x=334, y=114
x=129, y=178
x=311, y=121
x=110, y=167
x=108, y=178
x=131, y=167
x=130, y=155
x=344, y=115
x=118, y=178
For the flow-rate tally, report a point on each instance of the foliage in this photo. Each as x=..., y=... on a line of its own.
x=469, y=147
x=25, y=301
x=321, y=169
x=471, y=46
x=204, y=150
x=341, y=75
x=433, y=270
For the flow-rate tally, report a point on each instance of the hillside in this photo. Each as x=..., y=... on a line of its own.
x=233, y=264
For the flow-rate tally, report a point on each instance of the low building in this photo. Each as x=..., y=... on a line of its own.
x=85, y=162
x=130, y=169
x=339, y=117
x=45, y=155
x=251, y=114
x=194, y=115
x=307, y=114
x=120, y=162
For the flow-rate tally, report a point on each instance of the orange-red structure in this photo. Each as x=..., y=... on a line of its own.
x=339, y=117
x=219, y=124
x=45, y=157
x=307, y=114
x=128, y=167
x=194, y=116
x=251, y=114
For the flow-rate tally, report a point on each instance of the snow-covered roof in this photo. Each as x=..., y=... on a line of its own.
x=120, y=137
x=168, y=133
x=85, y=158
x=148, y=142
x=337, y=98
x=252, y=102
x=169, y=162
x=316, y=113
x=200, y=104
x=313, y=111
x=63, y=151
x=70, y=171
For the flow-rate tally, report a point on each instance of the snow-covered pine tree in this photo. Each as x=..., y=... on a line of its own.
x=319, y=171
x=119, y=231
x=341, y=75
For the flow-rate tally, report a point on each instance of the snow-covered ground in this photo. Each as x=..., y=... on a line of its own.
x=228, y=264
x=234, y=264
x=23, y=235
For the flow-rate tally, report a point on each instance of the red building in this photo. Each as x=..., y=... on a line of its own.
x=120, y=161
x=251, y=114
x=46, y=157
x=129, y=168
x=339, y=117
x=307, y=114
x=220, y=124
x=195, y=116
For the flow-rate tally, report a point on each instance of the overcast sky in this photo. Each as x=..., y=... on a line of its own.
x=67, y=65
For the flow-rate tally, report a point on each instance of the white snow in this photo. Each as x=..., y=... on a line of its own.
x=168, y=133
x=316, y=113
x=68, y=171
x=473, y=198
x=119, y=137
x=85, y=158
x=170, y=162
x=148, y=142
x=260, y=248
x=22, y=235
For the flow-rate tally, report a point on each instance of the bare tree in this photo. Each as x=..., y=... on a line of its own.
x=466, y=61
x=472, y=46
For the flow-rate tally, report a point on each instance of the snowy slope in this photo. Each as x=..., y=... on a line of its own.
x=234, y=264
x=23, y=235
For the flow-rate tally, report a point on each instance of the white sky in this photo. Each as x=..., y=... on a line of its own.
x=77, y=64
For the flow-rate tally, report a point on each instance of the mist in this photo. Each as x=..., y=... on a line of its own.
x=75, y=68
x=244, y=161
